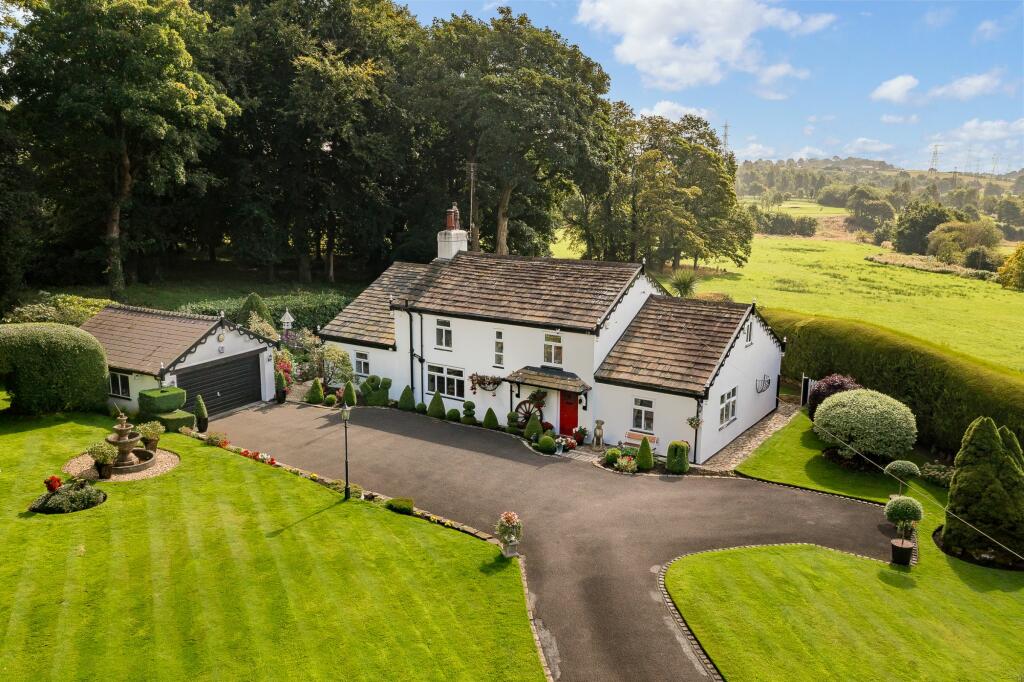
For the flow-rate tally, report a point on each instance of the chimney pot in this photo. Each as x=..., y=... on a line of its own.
x=451, y=221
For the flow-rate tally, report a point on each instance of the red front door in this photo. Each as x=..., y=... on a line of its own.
x=568, y=413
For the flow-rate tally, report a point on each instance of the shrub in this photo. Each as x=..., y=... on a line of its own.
x=550, y=432
x=684, y=283
x=533, y=428
x=611, y=456
x=400, y=505
x=421, y=408
x=938, y=474
x=166, y=399
x=1011, y=274
x=828, y=386
x=406, y=401
x=903, y=471
x=173, y=421
x=151, y=430
x=453, y=415
x=512, y=419
x=315, y=395
x=216, y=439
x=626, y=464
x=644, y=457
x=945, y=390
x=545, y=444
x=52, y=368
x=58, y=308
x=469, y=412
x=279, y=382
x=334, y=364
x=436, y=408
x=987, y=491
x=310, y=309
x=982, y=258
x=331, y=400
x=868, y=422
x=677, y=458
x=258, y=325
x=916, y=221
x=509, y=527
x=904, y=512
x=254, y=305
x=349, y=395
x=102, y=452
x=75, y=496
x=491, y=420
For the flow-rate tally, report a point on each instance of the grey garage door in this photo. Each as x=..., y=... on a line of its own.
x=224, y=384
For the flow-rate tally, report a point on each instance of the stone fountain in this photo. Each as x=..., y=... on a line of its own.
x=129, y=458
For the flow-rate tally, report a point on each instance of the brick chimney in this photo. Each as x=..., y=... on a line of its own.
x=452, y=238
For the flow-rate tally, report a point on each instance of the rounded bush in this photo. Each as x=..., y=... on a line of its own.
x=421, y=408
x=611, y=456
x=626, y=464
x=827, y=387
x=453, y=415
x=330, y=400
x=546, y=444
x=903, y=512
x=867, y=421
x=51, y=367
x=533, y=428
x=902, y=469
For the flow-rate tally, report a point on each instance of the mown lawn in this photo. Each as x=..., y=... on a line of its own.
x=799, y=208
x=226, y=568
x=810, y=613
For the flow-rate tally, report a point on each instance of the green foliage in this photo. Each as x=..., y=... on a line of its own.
x=421, y=408
x=545, y=444
x=215, y=439
x=1011, y=274
x=258, y=325
x=916, y=222
x=311, y=309
x=164, y=399
x=533, y=429
x=51, y=367
x=173, y=421
x=684, y=283
x=453, y=415
x=780, y=223
x=835, y=194
x=903, y=470
x=330, y=400
x=254, y=303
x=349, y=395
x=491, y=420
x=982, y=258
x=73, y=496
x=376, y=391
x=867, y=421
x=406, y=401
x=939, y=474
x=400, y=505
x=626, y=464
x=903, y=512
x=102, y=452
x=644, y=456
x=677, y=457
x=945, y=391
x=335, y=365
x=279, y=381
x=512, y=419
x=368, y=387
x=469, y=412
x=987, y=491
x=200, y=408
x=151, y=430
x=611, y=456
x=436, y=408
x=315, y=394
x=827, y=387
x=60, y=308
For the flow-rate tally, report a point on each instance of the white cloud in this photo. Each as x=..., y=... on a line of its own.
x=685, y=43
x=938, y=17
x=899, y=118
x=895, y=89
x=867, y=145
x=754, y=151
x=808, y=129
x=987, y=30
x=974, y=144
x=809, y=153
x=969, y=87
x=674, y=110
x=976, y=130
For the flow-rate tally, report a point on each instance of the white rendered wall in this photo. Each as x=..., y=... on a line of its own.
x=745, y=365
x=383, y=363
x=136, y=383
x=614, y=404
x=623, y=314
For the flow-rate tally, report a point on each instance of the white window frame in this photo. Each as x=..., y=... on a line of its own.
x=499, y=348
x=121, y=378
x=452, y=381
x=644, y=409
x=443, y=335
x=727, y=408
x=362, y=364
x=748, y=332
x=553, y=348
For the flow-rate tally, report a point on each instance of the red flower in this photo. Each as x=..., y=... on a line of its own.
x=245, y=453
x=223, y=443
x=272, y=462
x=52, y=483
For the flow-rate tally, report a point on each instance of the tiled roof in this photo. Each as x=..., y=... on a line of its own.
x=140, y=339
x=546, y=292
x=548, y=377
x=368, y=318
x=673, y=344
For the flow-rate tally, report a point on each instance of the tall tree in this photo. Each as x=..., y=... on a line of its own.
x=126, y=105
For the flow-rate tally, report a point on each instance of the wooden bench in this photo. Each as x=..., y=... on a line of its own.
x=634, y=438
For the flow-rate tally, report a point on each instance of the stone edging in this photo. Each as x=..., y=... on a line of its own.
x=792, y=486
x=702, y=655
x=533, y=621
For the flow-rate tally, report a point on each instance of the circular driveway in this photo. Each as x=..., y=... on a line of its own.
x=594, y=541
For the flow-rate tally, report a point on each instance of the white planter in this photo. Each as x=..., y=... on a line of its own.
x=510, y=549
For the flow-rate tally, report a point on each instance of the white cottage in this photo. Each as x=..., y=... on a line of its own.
x=602, y=340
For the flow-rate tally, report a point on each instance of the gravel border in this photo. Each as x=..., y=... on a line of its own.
x=83, y=467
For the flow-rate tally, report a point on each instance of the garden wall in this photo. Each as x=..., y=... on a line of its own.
x=945, y=390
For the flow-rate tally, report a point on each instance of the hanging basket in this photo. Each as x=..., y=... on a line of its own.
x=484, y=382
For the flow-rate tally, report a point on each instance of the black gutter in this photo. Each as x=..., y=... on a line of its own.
x=504, y=320
x=696, y=431
x=412, y=355
x=423, y=383
x=649, y=387
x=359, y=342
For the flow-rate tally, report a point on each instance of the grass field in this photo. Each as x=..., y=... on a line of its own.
x=563, y=248
x=819, y=614
x=229, y=569
x=803, y=207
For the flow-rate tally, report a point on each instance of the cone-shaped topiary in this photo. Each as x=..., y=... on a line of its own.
x=279, y=382
x=406, y=401
x=490, y=419
x=677, y=458
x=254, y=303
x=436, y=407
x=533, y=427
x=644, y=457
x=349, y=396
x=315, y=395
x=200, y=408
x=987, y=491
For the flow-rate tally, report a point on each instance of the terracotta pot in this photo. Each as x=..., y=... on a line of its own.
x=902, y=552
x=105, y=470
x=151, y=443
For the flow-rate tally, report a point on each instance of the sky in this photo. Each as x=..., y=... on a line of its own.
x=881, y=80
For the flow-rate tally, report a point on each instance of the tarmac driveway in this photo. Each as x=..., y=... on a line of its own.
x=594, y=541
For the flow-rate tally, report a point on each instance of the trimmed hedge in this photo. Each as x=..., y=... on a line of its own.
x=173, y=421
x=310, y=309
x=946, y=391
x=453, y=415
x=160, y=400
x=52, y=367
x=677, y=458
x=315, y=394
x=400, y=505
x=491, y=420
x=436, y=407
x=545, y=444
x=407, y=402
x=533, y=428
x=644, y=456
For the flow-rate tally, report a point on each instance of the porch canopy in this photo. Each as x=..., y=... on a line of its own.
x=548, y=377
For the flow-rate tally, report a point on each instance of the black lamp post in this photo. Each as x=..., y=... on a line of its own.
x=346, y=412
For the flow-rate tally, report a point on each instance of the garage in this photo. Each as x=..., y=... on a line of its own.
x=224, y=384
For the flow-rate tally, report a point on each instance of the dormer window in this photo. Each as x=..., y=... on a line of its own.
x=444, y=334
x=552, y=349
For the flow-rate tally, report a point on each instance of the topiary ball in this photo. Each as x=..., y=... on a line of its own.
x=867, y=421
x=903, y=510
x=902, y=469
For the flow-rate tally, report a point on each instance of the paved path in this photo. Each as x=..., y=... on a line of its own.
x=595, y=540
x=733, y=454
